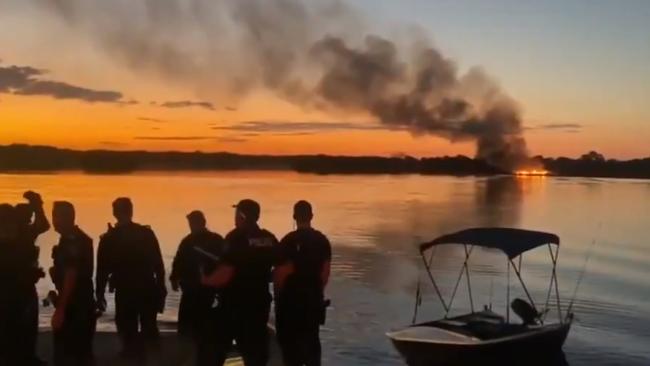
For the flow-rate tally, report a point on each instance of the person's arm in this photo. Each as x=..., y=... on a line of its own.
x=69, y=285
x=283, y=266
x=220, y=277
x=327, y=263
x=40, y=224
x=280, y=274
x=325, y=273
x=177, y=265
x=158, y=265
x=103, y=271
x=225, y=271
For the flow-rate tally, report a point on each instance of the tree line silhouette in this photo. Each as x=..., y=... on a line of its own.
x=25, y=158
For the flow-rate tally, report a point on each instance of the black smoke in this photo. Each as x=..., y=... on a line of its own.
x=313, y=54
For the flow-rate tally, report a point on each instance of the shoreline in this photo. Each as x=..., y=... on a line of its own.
x=28, y=159
x=208, y=172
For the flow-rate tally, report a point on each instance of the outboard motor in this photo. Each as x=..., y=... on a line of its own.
x=525, y=311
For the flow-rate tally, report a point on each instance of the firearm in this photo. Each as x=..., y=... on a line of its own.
x=207, y=254
x=326, y=304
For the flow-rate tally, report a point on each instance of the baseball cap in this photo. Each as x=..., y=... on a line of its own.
x=249, y=208
x=196, y=215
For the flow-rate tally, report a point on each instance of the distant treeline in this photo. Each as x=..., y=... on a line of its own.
x=594, y=164
x=21, y=158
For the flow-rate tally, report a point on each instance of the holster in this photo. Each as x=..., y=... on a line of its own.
x=323, y=315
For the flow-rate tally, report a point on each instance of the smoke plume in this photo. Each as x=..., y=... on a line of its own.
x=315, y=54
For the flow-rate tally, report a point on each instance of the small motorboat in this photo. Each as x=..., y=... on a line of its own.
x=485, y=337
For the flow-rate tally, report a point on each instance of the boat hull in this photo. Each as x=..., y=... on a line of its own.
x=543, y=347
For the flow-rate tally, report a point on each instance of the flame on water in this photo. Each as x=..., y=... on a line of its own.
x=532, y=172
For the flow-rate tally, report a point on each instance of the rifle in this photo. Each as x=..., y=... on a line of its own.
x=207, y=254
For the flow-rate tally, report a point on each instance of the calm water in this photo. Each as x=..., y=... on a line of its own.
x=374, y=223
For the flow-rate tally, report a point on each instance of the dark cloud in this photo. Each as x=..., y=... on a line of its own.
x=298, y=127
x=236, y=138
x=562, y=127
x=174, y=138
x=149, y=119
x=188, y=104
x=231, y=109
x=26, y=80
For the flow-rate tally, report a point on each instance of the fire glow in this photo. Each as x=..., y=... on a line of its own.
x=532, y=172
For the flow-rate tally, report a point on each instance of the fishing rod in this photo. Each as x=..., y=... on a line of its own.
x=582, y=273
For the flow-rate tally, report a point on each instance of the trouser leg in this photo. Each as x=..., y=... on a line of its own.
x=286, y=337
x=149, y=322
x=312, y=346
x=290, y=354
x=31, y=323
x=298, y=330
x=5, y=327
x=185, y=314
x=126, y=321
x=12, y=330
x=81, y=332
x=216, y=338
x=253, y=335
x=27, y=332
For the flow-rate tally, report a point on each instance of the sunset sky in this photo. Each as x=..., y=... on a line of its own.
x=90, y=75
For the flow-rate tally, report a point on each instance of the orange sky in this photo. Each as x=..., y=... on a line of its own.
x=80, y=125
x=554, y=83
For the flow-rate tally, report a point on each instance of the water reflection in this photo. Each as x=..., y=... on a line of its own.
x=499, y=199
x=392, y=260
x=375, y=222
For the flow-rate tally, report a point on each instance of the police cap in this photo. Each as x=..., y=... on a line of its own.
x=250, y=209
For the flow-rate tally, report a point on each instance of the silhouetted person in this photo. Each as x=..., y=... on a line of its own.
x=20, y=305
x=299, y=281
x=73, y=322
x=8, y=234
x=243, y=277
x=199, y=249
x=129, y=257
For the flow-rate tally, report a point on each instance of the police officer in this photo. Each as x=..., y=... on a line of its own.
x=8, y=231
x=243, y=277
x=200, y=249
x=73, y=322
x=299, y=281
x=20, y=310
x=129, y=257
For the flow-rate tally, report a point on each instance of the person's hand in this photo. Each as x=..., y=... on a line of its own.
x=175, y=285
x=162, y=290
x=57, y=319
x=101, y=302
x=205, y=277
x=33, y=198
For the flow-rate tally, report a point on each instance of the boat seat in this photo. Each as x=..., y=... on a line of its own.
x=432, y=334
x=455, y=323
